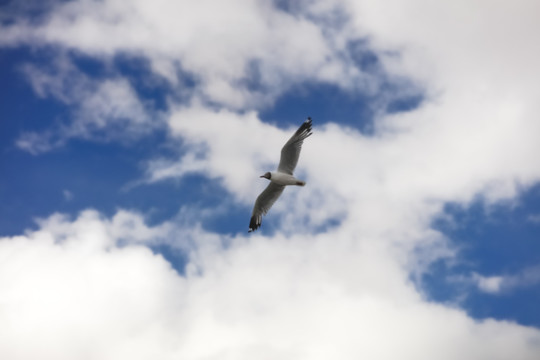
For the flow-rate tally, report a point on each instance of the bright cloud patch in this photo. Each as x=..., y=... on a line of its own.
x=71, y=288
x=502, y=284
x=491, y=284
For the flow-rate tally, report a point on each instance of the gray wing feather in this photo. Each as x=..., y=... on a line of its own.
x=263, y=203
x=291, y=150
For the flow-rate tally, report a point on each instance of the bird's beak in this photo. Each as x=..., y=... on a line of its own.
x=261, y=176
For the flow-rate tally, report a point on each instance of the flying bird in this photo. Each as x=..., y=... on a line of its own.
x=282, y=177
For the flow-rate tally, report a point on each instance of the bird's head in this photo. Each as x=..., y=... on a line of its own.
x=266, y=175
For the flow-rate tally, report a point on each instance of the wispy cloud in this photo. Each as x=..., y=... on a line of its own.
x=507, y=283
x=100, y=109
x=534, y=218
x=488, y=284
x=68, y=195
x=243, y=56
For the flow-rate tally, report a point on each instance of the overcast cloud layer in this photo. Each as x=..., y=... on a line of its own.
x=337, y=279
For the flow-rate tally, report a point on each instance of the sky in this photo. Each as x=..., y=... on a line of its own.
x=133, y=135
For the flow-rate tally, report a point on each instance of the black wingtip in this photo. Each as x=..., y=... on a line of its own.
x=305, y=127
x=253, y=224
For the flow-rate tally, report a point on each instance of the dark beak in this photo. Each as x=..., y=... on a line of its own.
x=261, y=176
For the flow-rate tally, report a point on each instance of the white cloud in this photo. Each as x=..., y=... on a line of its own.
x=241, y=55
x=88, y=286
x=489, y=284
x=221, y=144
x=102, y=109
x=507, y=283
x=37, y=143
x=70, y=290
x=476, y=132
x=344, y=293
x=236, y=44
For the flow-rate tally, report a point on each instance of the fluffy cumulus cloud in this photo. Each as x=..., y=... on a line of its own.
x=336, y=279
x=90, y=287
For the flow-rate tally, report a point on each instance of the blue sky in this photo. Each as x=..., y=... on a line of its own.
x=133, y=135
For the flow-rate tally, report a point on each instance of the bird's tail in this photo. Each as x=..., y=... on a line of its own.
x=300, y=183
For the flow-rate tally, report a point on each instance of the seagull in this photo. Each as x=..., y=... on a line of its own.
x=282, y=177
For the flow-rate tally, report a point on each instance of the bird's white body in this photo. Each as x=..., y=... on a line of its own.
x=285, y=179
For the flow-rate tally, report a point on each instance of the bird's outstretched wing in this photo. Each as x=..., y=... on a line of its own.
x=263, y=203
x=291, y=150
